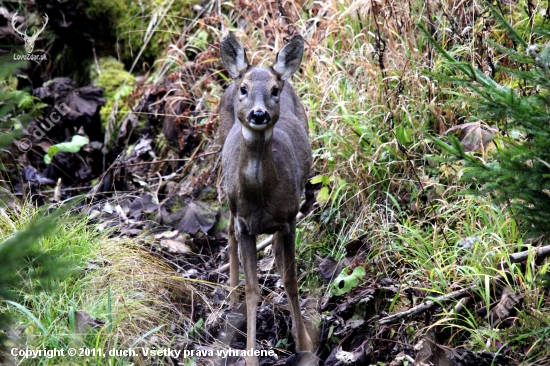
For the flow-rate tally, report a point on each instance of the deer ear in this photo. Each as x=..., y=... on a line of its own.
x=233, y=55
x=289, y=57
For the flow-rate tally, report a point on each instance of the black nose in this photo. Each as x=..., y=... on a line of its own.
x=259, y=117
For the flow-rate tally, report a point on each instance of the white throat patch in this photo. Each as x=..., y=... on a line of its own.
x=253, y=136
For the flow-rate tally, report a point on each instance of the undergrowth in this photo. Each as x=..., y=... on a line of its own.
x=117, y=296
x=374, y=109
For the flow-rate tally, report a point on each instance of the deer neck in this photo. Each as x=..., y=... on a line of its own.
x=256, y=161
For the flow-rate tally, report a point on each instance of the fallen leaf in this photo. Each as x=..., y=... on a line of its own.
x=73, y=146
x=474, y=136
x=167, y=235
x=190, y=215
x=198, y=215
x=344, y=282
x=84, y=320
x=329, y=268
x=175, y=246
x=502, y=315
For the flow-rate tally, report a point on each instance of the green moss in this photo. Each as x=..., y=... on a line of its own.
x=112, y=9
x=112, y=77
x=117, y=84
x=133, y=21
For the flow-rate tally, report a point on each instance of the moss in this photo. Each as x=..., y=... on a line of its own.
x=131, y=21
x=117, y=84
x=112, y=9
x=112, y=77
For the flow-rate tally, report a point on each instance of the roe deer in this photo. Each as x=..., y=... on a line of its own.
x=266, y=161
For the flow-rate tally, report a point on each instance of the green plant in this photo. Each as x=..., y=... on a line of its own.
x=73, y=146
x=144, y=29
x=23, y=262
x=26, y=266
x=517, y=172
x=346, y=281
x=17, y=107
x=102, y=303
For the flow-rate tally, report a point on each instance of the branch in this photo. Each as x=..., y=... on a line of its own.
x=514, y=258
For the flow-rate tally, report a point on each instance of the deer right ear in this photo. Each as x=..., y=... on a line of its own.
x=289, y=57
x=233, y=55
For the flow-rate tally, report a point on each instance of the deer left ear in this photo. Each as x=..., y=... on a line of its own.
x=233, y=55
x=289, y=58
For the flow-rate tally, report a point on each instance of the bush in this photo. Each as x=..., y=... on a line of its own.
x=517, y=172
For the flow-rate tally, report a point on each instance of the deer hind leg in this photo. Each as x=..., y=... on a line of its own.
x=285, y=256
x=252, y=291
x=233, y=250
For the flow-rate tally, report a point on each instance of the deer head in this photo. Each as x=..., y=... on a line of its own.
x=259, y=88
x=29, y=40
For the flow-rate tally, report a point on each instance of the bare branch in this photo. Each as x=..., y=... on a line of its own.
x=514, y=258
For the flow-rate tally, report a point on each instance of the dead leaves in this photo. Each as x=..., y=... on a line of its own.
x=174, y=242
x=474, y=136
x=429, y=352
x=502, y=314
x=360, y=336
x=190, y=215
x=82, y=322
x=329, y=268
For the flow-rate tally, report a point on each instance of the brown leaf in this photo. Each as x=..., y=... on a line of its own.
x=474, y=136
x=502, y=315
x=329, y=268
x=428, y=353
x=356, y=251
x=84, y=320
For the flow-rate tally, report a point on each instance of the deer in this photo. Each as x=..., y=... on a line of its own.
x=29, y=40
x=266, y=160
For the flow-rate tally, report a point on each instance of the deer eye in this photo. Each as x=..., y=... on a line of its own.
x=275, y=92
x=244, y=90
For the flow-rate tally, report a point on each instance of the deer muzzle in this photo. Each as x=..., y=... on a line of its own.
x=258, y=118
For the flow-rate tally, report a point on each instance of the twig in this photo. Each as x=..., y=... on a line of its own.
x=173, y=160
x=514, y=258
x=428, y=304
x=522, y=256
x=62, y=190
x=155, y=162
x=192, y=157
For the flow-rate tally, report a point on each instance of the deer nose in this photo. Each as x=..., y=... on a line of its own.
x=259, y=117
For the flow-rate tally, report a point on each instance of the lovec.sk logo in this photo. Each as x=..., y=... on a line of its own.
x=29, y=40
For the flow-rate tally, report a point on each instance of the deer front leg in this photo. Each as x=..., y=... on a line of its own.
x=252, y=291
x=233, y=263
x=285, y=256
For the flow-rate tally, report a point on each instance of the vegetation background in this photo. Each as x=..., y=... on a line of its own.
x=429, y=124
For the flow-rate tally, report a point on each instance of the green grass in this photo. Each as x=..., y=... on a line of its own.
x=371, y=132
x=115, y=281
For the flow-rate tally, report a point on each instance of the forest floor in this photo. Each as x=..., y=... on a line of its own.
x=397, y=265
